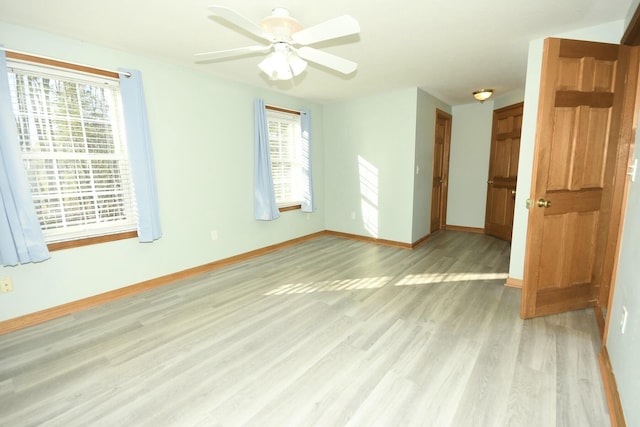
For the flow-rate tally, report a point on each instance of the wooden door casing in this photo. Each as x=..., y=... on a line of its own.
x=581, y=94
x=503, y=171
x=440, y=183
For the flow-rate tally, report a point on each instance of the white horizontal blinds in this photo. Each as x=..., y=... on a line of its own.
x=71, y=135
x=284, y=148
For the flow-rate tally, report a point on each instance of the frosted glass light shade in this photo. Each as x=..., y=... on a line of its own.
x=282, y=64
x=276, y=67
x=297, y=64
x=482, y=94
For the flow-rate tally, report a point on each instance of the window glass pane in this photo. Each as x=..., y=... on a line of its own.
x=71, y=135
x=284, y=149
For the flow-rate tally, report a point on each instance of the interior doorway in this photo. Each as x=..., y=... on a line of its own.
x=439, y=190
x=503, y=171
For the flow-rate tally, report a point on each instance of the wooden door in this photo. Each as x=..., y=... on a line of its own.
x=441, y=148
x=503, y=171
x=581, y=96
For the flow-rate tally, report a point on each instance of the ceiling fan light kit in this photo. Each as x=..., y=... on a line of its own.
x=282, y=63
x=482, y=94
x=283, y=32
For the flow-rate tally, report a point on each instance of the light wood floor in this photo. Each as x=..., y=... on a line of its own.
x=331, y=332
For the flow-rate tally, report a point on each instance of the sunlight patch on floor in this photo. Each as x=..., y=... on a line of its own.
x=422, y=279
x=331, y=285
x=378, y=282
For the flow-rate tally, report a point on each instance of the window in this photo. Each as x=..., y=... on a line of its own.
x=285, y=149
x=71, y=134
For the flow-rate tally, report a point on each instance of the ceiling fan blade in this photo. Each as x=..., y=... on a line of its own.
x=341, y=26
x=238, y=20
x=220, y=54
x=328, y=60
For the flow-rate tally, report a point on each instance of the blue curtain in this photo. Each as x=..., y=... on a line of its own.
x=140, y=154
x=307, y=171
x=264, y=207
x=21, y=239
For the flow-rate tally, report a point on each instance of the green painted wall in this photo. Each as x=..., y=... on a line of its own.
x=624, y=349
x=470, y=149
x=202, y=130
x=369, y=179
x=366, y=154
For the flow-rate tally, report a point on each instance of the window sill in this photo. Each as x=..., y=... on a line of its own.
x=58, y=246
x=289, y=208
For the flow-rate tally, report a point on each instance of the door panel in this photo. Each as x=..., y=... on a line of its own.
x=577, y=135
x=503, y=171
x=564, y=262
x=441, y=148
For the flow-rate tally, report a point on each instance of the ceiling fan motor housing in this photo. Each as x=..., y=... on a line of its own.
x=280, y=24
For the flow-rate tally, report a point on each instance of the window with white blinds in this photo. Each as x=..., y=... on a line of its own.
x=71, y=134
x=285, y=152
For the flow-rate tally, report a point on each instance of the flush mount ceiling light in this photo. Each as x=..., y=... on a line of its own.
x=288, y=49
x=482, y=94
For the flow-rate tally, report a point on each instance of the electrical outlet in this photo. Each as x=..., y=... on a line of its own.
x=6, y=285
x=623, y=319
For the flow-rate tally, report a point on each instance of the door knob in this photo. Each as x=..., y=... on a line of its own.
x=513, y=192
x=542, y=203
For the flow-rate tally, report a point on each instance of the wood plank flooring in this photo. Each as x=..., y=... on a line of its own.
x=331, y=332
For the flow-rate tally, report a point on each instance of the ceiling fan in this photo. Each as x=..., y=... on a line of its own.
x=284, y=34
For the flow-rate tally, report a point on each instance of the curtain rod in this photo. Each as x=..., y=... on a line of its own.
x=21, y=52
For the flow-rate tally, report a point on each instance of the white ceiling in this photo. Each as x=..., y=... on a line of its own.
x=447, y=47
